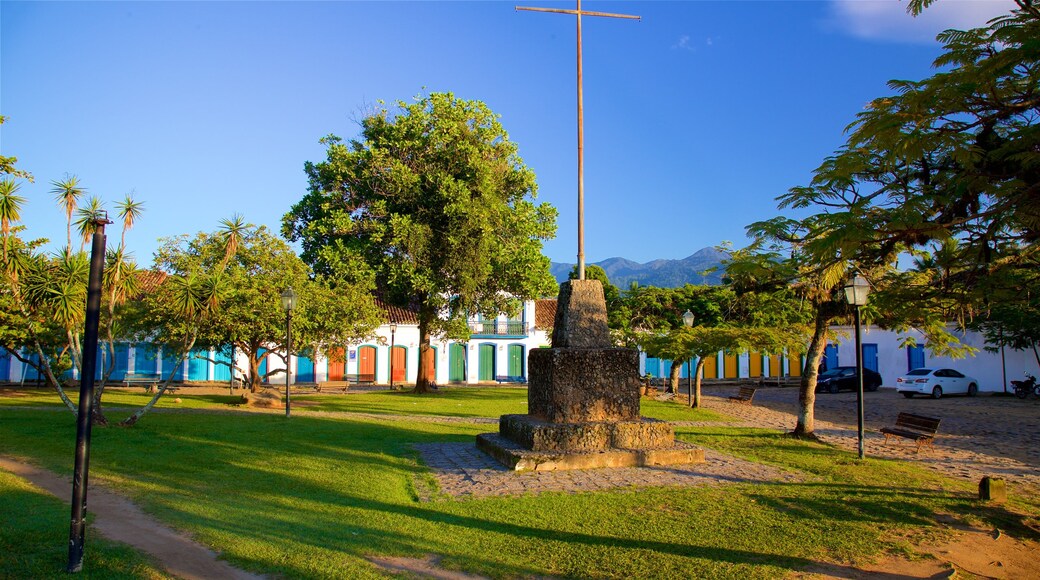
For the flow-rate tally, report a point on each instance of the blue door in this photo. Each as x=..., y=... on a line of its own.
x=222, y=372
x=653, y=366
x=122, y=361
x=304, y=369
x=830, y=356
x=169, y=361
x=914, y=357
x=5, y=365
x=146, y=358
x=870, y=357
x=198, y=368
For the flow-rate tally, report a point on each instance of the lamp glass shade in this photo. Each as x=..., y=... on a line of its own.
x=687, y=318
x=856, y=291
x=393, y=327
x=288, y=299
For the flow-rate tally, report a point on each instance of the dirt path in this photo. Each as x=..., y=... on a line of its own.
x=118, y=519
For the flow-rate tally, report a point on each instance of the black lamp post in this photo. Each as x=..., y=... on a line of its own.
x=393, y=332
x=856, y=292
x=84, y=418
x=288, y=304
x=687, y=319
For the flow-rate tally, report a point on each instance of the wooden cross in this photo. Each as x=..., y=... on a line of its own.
x=581, y=125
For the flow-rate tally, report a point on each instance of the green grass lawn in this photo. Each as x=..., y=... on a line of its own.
x=312, y=496
x=34, y=539
x=446, y=402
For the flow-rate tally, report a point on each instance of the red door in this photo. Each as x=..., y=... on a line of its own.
x=399, y=364
x=336, y=364
x=367, y=363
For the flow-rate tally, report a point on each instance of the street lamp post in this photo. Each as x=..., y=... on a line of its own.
x=288, y=304
x=687, y=319
x=856, y=292
x=84, y=419
x=393, y=332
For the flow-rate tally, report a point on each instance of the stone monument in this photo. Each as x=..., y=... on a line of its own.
x=583, y=400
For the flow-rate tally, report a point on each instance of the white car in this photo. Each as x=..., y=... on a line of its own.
x=936, y=382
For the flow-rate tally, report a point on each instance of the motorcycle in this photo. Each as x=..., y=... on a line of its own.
x=1023, y=388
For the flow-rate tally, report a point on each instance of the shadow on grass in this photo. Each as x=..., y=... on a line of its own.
x=290, y=496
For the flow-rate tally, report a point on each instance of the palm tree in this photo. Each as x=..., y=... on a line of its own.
x=10, y=208
x=89, y=217
x=67, y=193
x=232, y=230
x=129, y=212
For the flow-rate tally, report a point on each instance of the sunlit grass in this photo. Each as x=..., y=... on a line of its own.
x=314, y=495
x=34, y=538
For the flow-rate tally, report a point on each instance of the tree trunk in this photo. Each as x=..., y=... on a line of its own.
x=423, y=382
x=51, y=379
x=807, y=388
x=673, y=376
x=133, y=419
x=254, y=371
x=698, y=373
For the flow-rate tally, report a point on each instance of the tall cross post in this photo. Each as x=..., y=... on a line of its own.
x=581, y=123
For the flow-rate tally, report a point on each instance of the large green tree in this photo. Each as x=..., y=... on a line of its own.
x=434, y=205
x=946, y=171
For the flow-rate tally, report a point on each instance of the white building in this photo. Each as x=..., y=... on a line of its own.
x=882, y=352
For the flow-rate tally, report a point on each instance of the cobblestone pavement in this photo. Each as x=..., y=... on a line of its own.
x=463, y=470
x=985, y=435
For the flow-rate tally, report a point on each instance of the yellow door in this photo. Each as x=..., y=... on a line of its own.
x=754, y=364
x=794, y=364
x=774, y=366
x=711, y=370
x=730, y=366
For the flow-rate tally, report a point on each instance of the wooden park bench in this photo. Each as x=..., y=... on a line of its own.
x=917, y=427
x=367, y=379
x=744, y=395
x=151, y=380
x=140, y=379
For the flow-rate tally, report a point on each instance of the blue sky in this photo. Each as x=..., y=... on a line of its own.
x=696, y=117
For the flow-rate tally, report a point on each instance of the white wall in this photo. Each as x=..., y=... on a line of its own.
x=892, y=358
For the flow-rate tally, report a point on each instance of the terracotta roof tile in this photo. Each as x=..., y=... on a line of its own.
x=149, y=281
x=544, y=313
x=397, y=314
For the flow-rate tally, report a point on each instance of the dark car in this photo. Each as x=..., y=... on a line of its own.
x=844, y=378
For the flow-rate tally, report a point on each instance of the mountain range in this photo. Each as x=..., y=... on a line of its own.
x=661, y=273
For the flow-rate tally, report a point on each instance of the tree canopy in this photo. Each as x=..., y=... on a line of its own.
x=432, y=204
x=946, y=171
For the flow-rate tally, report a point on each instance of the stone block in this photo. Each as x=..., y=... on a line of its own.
x=642, y=434
x=992, y=489
x=538, y=435
x=581, y=316
x=567, y=385
x=515, y=457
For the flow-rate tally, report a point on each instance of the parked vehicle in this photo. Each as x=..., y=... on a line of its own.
x=936, y=382
x=1023, y=388
x=839, y=378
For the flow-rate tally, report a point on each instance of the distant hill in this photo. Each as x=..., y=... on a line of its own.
x=660, y=273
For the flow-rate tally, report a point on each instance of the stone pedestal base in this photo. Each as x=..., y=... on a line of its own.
x=517, y=458
x=526, y=443
x=538, y=435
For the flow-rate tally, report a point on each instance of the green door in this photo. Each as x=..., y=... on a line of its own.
x=456, y=363
x=516, y=360
x=487, y=362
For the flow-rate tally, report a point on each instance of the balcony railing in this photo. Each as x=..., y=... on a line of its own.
x=498, y=328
